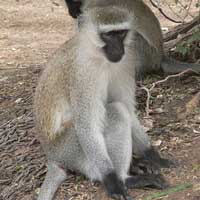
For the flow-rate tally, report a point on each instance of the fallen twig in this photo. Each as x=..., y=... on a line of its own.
x=163, y=13
x=181, y=29
x=148, y=91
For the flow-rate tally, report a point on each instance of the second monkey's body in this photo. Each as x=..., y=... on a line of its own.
x=147, y=46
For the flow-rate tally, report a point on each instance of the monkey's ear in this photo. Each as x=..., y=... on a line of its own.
x=74, y=7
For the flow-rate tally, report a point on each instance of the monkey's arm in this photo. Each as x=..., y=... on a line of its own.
x=89, y=112
x=88, y=115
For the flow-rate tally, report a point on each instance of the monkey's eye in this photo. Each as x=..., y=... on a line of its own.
x=121, y=34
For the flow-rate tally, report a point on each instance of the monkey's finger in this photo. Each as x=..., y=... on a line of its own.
x=147, y=180
x=121, y=197
x=127, y=197
x=116, y=197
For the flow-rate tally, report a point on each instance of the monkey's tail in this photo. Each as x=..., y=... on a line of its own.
x=172, y=66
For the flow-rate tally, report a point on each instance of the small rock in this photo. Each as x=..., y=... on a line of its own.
x=3, y=79
x=18, y=100
x=160, y=96
x=157, y=143
x=147, y=124
x=165, y=29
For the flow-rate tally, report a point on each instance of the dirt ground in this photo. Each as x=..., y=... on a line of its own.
x=30, y=31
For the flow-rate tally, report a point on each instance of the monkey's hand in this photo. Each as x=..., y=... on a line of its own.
x=115, y=187
x=153, y=156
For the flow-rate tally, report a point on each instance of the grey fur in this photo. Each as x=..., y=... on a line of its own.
x=85, y=107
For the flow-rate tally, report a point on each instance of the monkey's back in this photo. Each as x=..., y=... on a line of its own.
x=52, y=93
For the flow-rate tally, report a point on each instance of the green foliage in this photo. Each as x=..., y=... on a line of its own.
x=197, y=4
x=178, y=188
x=183, y=47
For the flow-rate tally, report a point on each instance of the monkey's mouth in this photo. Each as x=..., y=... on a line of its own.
x=114, y=58
x=113, y=54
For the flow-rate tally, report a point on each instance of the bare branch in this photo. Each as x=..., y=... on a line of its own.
x=163, y=13
x=148, y=91
x=180, y=29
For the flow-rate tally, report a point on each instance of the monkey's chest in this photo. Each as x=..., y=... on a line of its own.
x=122, y=89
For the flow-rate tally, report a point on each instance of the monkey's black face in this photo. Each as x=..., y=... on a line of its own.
x=114, y=44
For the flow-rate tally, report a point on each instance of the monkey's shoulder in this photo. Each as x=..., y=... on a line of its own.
x=51, y=102
x=59, y=64
x=64, y=55
x=54, y=81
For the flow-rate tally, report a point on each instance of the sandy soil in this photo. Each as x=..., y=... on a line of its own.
x=29, y=32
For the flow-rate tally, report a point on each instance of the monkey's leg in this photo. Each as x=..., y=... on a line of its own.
x=140, y=140
x=54, y=177
x=142, y=146
x=119, y=145
x=118, y=137
x=118, y=142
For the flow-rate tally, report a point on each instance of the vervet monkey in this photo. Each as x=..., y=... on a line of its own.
x=148, y=44
x=85, y=105
x=148, y=54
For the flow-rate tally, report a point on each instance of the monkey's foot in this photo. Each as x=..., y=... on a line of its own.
x=141, y=166
x=150, y=163
x=154, y=157
x=115, y=188
x=119, y=197
x=147, y=180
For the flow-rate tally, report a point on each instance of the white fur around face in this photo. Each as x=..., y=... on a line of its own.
x=91, y=26
x=120, y=26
